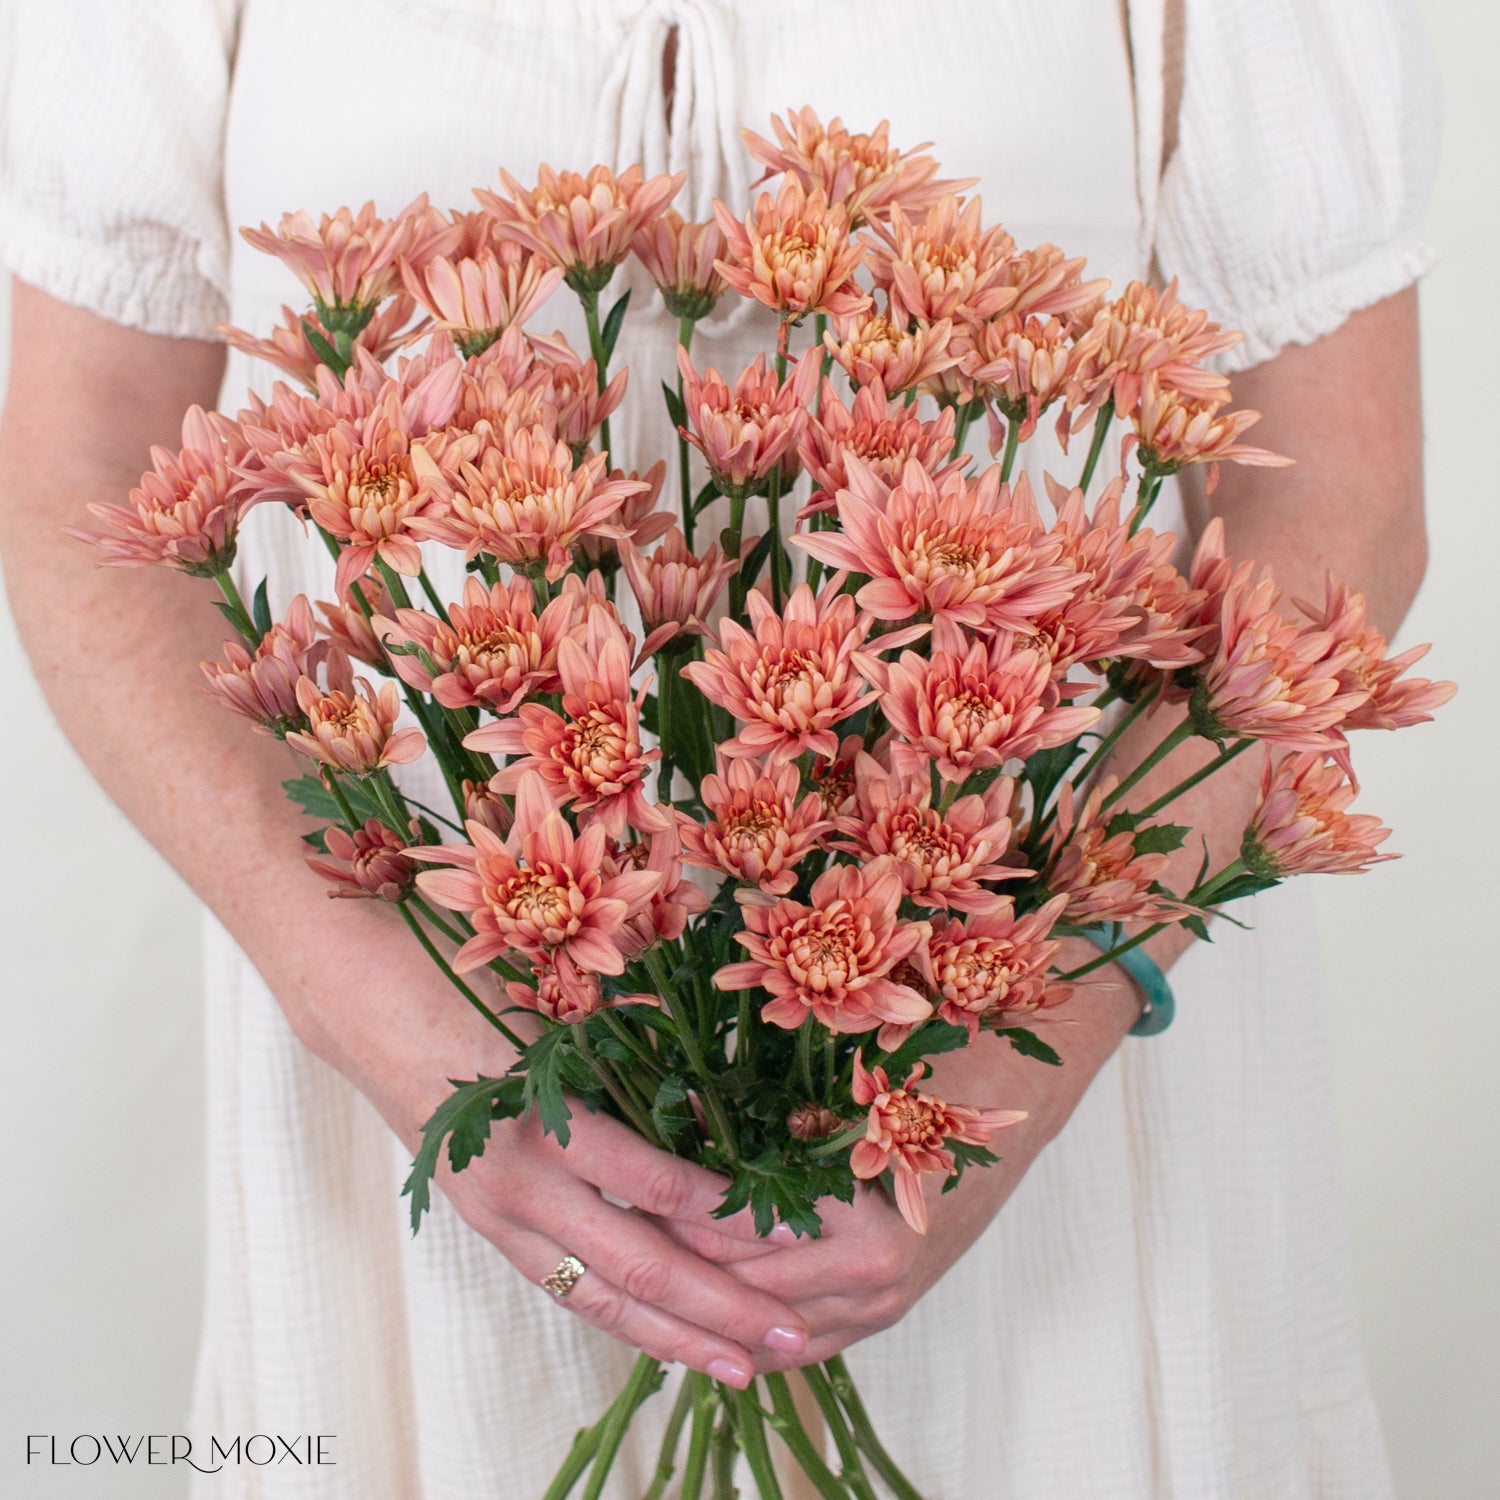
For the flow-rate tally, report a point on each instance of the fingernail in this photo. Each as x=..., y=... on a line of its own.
x=783, y=1234
x=785, y=1340
x=729, y=1372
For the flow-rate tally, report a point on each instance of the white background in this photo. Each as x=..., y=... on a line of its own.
x=100, y=1075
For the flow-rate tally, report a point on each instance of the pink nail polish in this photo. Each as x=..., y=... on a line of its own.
x=729, y=1372
x=785, y=1340
x=783, y=1234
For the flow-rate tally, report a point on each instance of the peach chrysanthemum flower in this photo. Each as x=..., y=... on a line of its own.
x=675, y=589
x=478, y=297
x=370, y=864
x=884, y=435
x=347, y=626
x=590, y=755
x=1175, y=430
x=1021, y=364
x=523, y=502
x=347, y=260
x=789, y=678
x=679, y=257
x=184, y=513
x=541, y=891
x=290, y=349
x=859, y=171
x=995, y=703
x=1392, y=704
x=582, y=224
x=942, y=857
x=675, y=899
x=831, y=960
x=493, y=651
x=959, y=554
x=572, y=403
x=813, y=1122
x=746, y=432
x=832, y=776
x=263, y=685
x=483, y=803
x=352, y=727
x=793, y=254
x=562, y=992
x=760, y=827
x=991, y=969
x=638, y=520
x=945, y=265
x=1300, y=827
x=870, y=346
x=1050, y=284
x=1101, y=873
x=907, y=1131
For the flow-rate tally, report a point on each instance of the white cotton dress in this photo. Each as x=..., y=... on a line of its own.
x=1163, y=1308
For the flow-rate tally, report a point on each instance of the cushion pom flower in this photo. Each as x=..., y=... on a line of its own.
x=371, y=863
x=760, y=828
x=1300, y=826
x=944, y=265
x=679, y=257
x=582, y=224
x=563, y=992
x=590, y=755
x=1175, y=429
x=541, y=891
x=831, y=960
x=347, y=626
x=746, y=432
x=793, y=253
x=290, y=349
x=674, y=900
x=262, y=685
x=184, y=513
x=960, y=554
x=477, y=297
x=988, y=969
x=942, y=857
x=353, y=727
x=675, y=589
x=907, y=1134
x=901, y=356
x=995, y=703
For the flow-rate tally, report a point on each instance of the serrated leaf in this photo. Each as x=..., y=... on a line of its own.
x=542, y=1066
x=1029, y=1044
x=609, y=335
x=1160, y=838
x=676, y=407
x=1198, y=927
x=309, y=793
x=463, y=1119
x=1046, y=769
x=928, y=1040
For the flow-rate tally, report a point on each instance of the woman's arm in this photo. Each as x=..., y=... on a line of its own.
x=116, y=652
x=1348, y=409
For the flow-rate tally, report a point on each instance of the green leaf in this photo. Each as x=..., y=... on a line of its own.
x=651, y=714
x=1046, y=769
x=463, y=1119
x=676, y=407
x=1029, y=1044
x=260, y=609
x=755, y=561
x=1198, y=927
x=1242, y=886
x=309, y=793
x=964, y=1156
x=325, y=351
x=672, y=1111
x=542, y=1064
x=1160, y=838
x=928, y=1040
x=609, y=335
x=705, y=497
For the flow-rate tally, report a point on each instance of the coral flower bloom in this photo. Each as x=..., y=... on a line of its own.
x=523, y=502
x=746, y=432
x=1300, y=826
x=371, y=863
x=582, y=224
x=590, y=755
x=885, y=435
x=907, y=1131
x=573, y=405
x=353, y=728
x=791, y=677
x=960, y=554
x=760, y=828
x=263, y=685
x=945, y=265
x=793, y=254
x=1022, y=364
x=858, y=171
x=674, y=588
x=995, y=703
x=942, y=857
x=1175, y=430
x=541, y=891
x=679, y=257
x=182, y=513
x=869, y=346
x=347, y=626
x=992, y=968
x=478, y=297
x=491, y=652
x=638, y=519
x=563, y=992
x=674, y=900
x=289, y=348
x=831, y=960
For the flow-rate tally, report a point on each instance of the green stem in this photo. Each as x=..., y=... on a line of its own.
x=752, y=1428
x=1207, y=893
x=644, y=1379
x=1111, y=954
x=804, y=1057
x=725, y=1447
x=330, y=779
x=1189, y=782
x=433, y=597
x=685, y=339
x=644, y=1125
x=820, y=328
x=1183, y=732
x=442, y=924
x=788, y=1425
x=666, y=1461
x=1111, y=739
x=734, y=531
x=1012, y=441
x=590, y=302
x=580, y=1456
x=864, y=1431
x=241, y=616
x=854, y=1475
x=780, y=567
x=456, y=982
x=705, y=1404
x=1146, y=493
x=1096, y=447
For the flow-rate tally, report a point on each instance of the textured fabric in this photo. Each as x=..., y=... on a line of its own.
x=1162, y=1310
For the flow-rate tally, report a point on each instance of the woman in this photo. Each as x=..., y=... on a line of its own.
x=1160, y=1309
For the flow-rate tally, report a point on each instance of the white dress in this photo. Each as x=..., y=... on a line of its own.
x=1162, y=1309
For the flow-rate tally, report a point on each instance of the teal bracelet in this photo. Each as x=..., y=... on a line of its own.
x=1161, y=1005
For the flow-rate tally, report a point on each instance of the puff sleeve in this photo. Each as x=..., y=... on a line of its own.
x=1306, y=148
x=112, y=116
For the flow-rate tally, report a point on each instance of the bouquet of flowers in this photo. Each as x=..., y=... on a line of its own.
x=742, y=835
